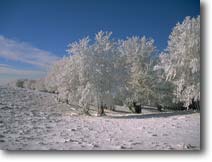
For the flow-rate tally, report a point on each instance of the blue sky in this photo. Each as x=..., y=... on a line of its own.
x=41, y=30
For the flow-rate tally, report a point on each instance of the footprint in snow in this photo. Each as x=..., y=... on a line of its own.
x=125, y=147
x=136, y=143
x=2, y=136
x=95, y=146
x=189, y=146
x=73, y=129
x=6, y=108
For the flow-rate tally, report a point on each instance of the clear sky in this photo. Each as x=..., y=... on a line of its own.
x=34, y=33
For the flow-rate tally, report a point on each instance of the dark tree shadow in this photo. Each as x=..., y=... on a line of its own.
x=155, y=115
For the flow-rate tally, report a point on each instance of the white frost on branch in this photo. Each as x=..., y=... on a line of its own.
x=99, y=73
x=181, y=60
x=106, y=72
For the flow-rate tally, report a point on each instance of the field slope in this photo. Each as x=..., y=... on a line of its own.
x=31, y=120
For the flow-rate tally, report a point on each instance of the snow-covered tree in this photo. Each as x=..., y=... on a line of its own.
x=163, y=89
x=51, y=80
x=96, y=67
x=138, y=52
x=97, y=73
x=103, y=56
x=181, y=60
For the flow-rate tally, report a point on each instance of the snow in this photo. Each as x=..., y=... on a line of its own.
x=32, y=120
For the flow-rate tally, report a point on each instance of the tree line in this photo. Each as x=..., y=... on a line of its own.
x=104, y=72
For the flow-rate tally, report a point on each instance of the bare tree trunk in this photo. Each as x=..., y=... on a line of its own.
x=198, y=105
x=86, y=110
x=112, y=108
x=137, y=108
x=100, y=110
x=195, y=105
x=159, y=107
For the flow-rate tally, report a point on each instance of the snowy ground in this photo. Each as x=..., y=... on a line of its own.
x=31, y=120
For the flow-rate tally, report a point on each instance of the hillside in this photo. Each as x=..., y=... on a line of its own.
x=31, y=120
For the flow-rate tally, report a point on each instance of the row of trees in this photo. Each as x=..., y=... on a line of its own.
x=30, y=84
x=103, y=72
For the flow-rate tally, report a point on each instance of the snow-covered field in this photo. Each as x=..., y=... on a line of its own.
x=31, y=120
